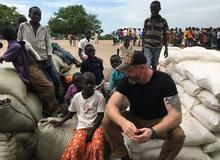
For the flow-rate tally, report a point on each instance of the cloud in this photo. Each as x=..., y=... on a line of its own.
x=118, y=13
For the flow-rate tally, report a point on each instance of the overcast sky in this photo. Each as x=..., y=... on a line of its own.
x=115, y=14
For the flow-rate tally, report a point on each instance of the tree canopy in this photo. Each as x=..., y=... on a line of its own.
x=73, y=19
x=9, y=16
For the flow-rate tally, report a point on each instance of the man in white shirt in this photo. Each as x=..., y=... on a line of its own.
x=82, y=43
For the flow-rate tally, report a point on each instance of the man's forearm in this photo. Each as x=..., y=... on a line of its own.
x=114, y=114
x=167, y=123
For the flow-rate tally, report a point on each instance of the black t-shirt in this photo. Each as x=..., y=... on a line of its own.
x=146, y=100
x=95, y=66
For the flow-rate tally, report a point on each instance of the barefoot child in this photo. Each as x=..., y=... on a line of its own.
x=87, y=143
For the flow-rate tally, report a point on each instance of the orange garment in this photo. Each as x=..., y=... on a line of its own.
x=68, y=79
x=190, y=34
x=79, y=149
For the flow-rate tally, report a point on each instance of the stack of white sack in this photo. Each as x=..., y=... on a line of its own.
x=196, y=70
x=18, y=118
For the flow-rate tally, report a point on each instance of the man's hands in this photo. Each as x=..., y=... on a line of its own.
x=142, y=135
x=166, y=52
x=128, y=128
x=136, y=135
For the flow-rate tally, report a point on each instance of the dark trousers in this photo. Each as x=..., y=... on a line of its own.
x=49, y=69
x=43, y=88
x=218, y=43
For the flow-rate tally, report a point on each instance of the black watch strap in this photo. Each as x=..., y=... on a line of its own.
x=154, y=134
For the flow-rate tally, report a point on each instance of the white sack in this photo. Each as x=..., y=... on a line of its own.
x=187, y=153
x=180, y=89
x=14, y=117
x=211, y=83
x=53, y=141
x=215, y=146
x=162, y=68
x=8, y=147
x=206, y=75
x=169, y=69
x=26, y=143
x=193, y=53
x=165, y=61
x=178, y=78
x=195, y=133
x=215, y=155
x=208, y=117
x=12, y=84
x=34, y=106
x=209, y=100
x=188, y=101
x=191, y=88
x=179, y=68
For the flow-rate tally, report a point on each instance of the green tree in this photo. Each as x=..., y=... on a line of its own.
x=9, y=16
x=73, y=19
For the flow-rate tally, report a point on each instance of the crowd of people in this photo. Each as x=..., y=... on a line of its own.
x=189, y=37
x=135, y=34
x=141, y=102
x=192, y=36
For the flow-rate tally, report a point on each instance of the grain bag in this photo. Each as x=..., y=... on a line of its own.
x=11, y=83
x=34, y=106
x=53, y=141
x=207, y=117
x=209, y=100
x=14, y=117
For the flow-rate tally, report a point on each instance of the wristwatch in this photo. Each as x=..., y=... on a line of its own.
x=154, y=134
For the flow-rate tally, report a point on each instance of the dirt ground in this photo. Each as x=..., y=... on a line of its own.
x=104, y=49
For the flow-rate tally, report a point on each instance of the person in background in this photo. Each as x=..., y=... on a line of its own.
x=116, y=75
x=88, y=140
x=96, y=38
x=93, y=64
x=82, y=43
x=155, y=27
x=74, y=88
x=114, y=38
x=125, y=48
x=38, y=36
x=26, y=67
x=218, y=39
x=70, y=38
x=20, y=20
x=155, y=110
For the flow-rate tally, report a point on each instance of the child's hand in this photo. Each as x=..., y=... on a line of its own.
x=89, y=135
x=56, y=123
